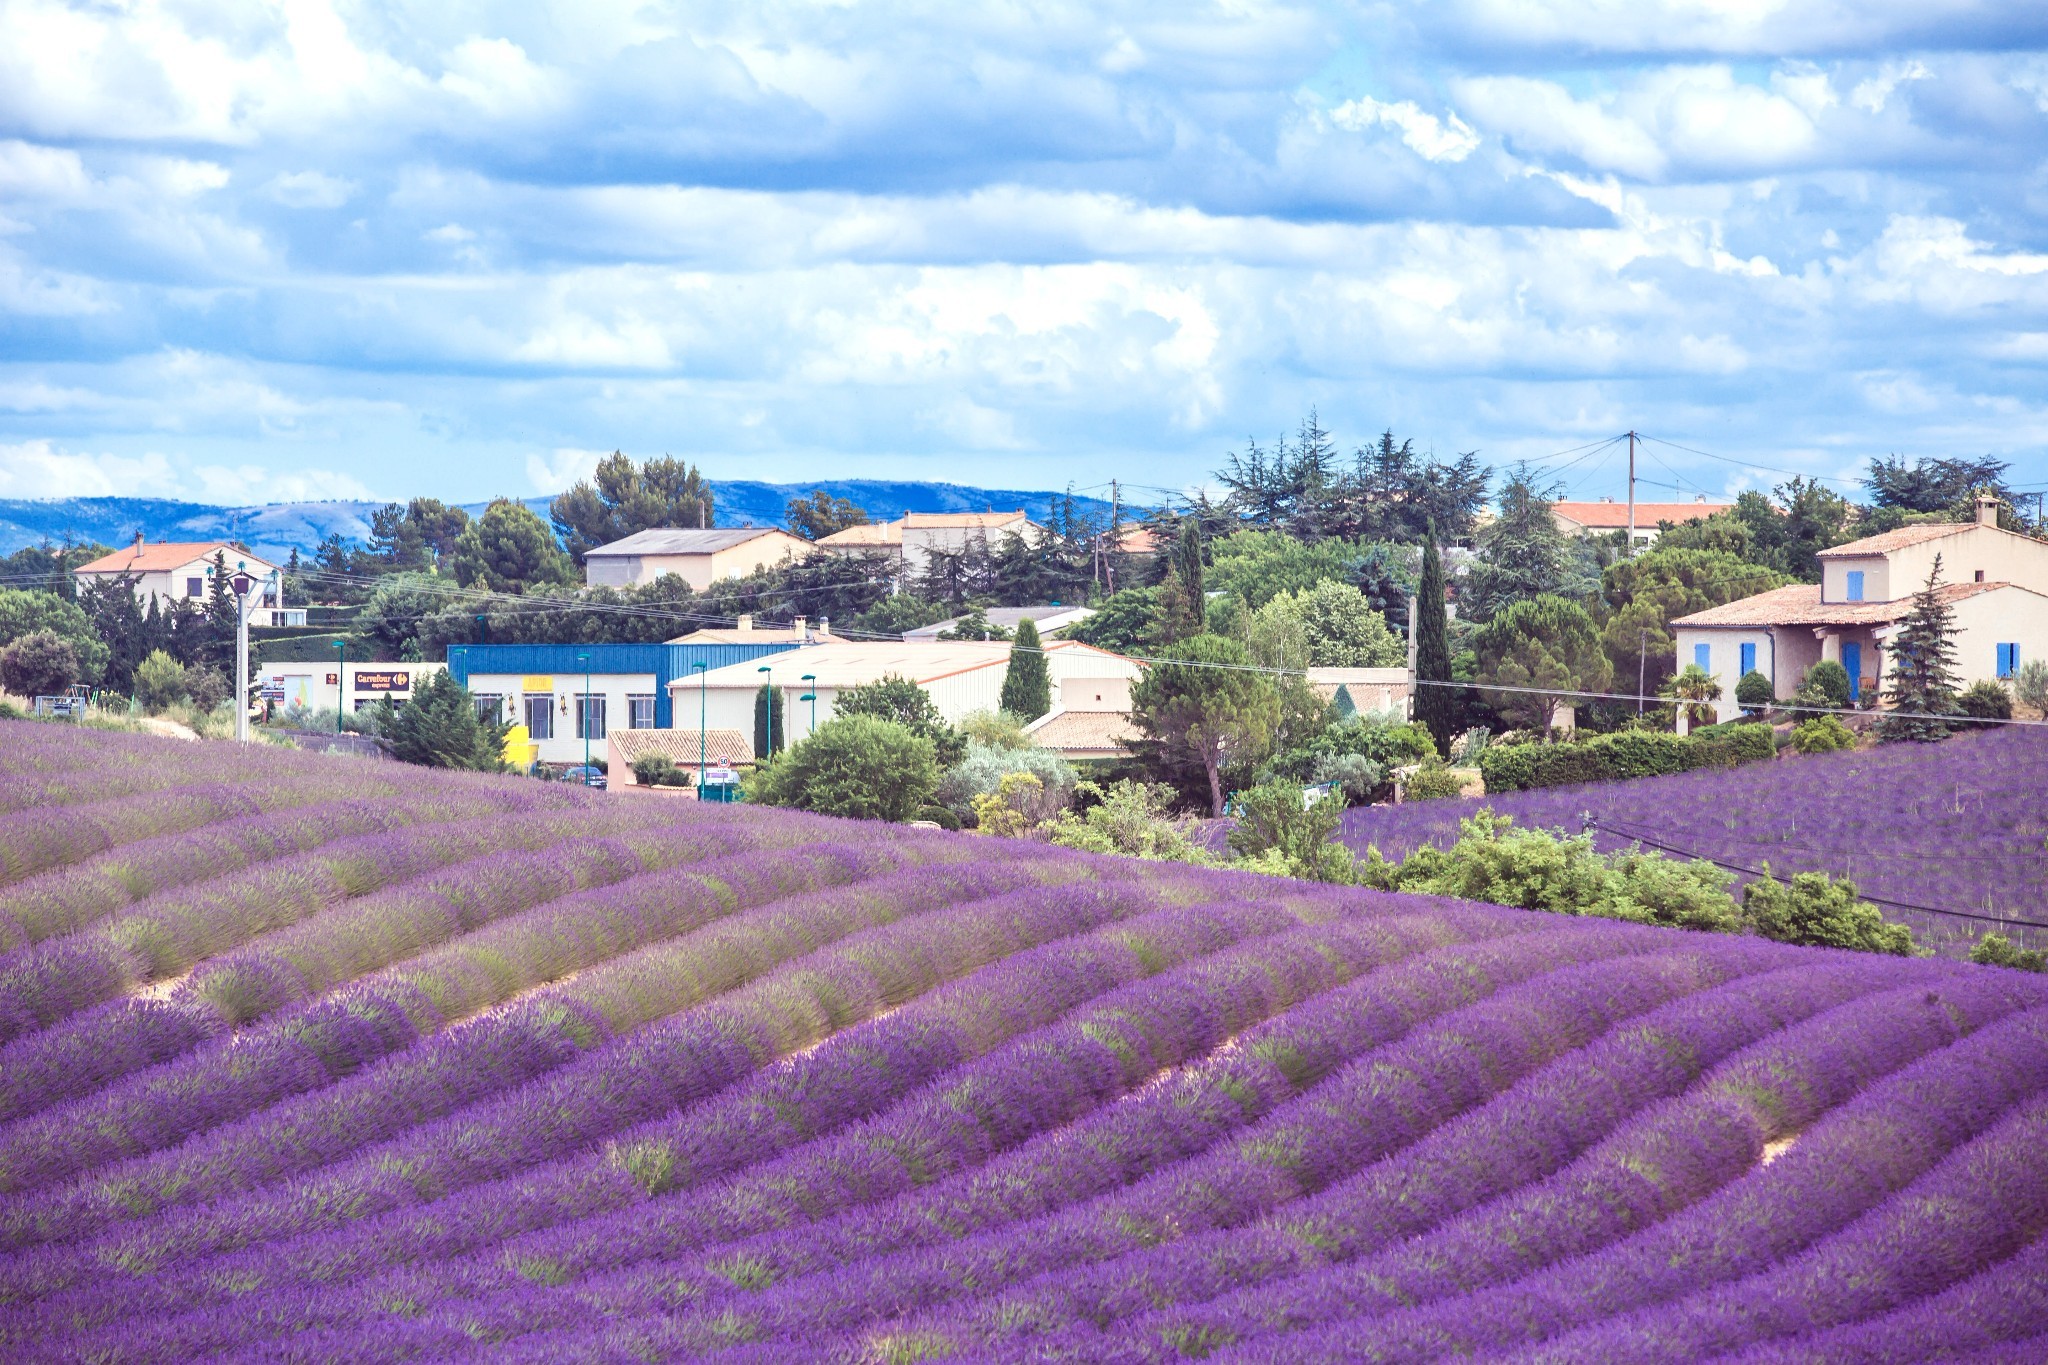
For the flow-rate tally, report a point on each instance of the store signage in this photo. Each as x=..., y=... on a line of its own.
x=720, y=777
x=534, y=682
x=382, y=680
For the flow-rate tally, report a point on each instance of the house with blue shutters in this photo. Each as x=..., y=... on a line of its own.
x=1995, y=581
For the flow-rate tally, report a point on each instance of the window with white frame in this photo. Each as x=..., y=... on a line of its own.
x=590, y=715
x=540, y=715
x=640, y=711
x=489, y=706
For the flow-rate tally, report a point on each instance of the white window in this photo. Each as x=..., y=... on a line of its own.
x=640, y=711
x=489, y=706
x=589, y=715
x=540, y=716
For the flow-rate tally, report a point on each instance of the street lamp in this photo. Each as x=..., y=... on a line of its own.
x=811, y=697
x=340, y=680
x=584, y=720
x=769, y=709
x=699, y=668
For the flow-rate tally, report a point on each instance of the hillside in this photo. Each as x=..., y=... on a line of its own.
x=283, y=526
x=315, y=1058
x=1959, y=826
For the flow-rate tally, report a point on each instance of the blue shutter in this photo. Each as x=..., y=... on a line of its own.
x=2008, y=660
x=1856, y=585
x=1749, y=658
x=1702, y=655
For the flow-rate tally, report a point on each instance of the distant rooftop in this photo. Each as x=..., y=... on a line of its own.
x=1607, y=514
x=1044, y=617
x=163, y=556
x=1799, y=604
x=664, y=540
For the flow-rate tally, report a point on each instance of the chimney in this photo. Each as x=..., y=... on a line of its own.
x=1699, y=497
x=797, y=628
x=1987, y=510
x=138, y=540
x=746, y=625
x=824, y=625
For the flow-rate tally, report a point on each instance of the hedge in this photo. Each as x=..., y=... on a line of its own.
x=1629, y=753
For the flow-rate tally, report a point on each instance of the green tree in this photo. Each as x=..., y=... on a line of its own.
x=1340, y=628
x=1522, y=554
x=622, y=497
x=1436, y=707
x=892, y=616
x=1922, y=689
x=2030, y=685
x=1986, y=702
x=1649, y=591
x=1695, y=690
x=1027, y=684
x=509, y=549
x=1125, y=621
x=859, y=766
x=1825, y=684
x=1203, y=705
x=904, y=702
x=1935, y=484
x=1754, y=693
x=1790, y=533
x=1996, y=950
x=41, y=663
x=974, y=625
x=1128, y=818
x=117, y=620
x=1547, y=648
x=1183, y=603
x=1257, y=566
x=440, y=727
x=159, y=681
x=405, y=613
x=1276, y=828
x=821, y=515
x=771, y=730
x=1822, y=912
x=25, y=613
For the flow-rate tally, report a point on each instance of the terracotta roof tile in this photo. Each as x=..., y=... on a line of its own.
x=1085, y=732
x=727, y=748
x=1614, y=515
x=1900, y=539
x=164, y=556
x=874, y=535
x=1799, y=604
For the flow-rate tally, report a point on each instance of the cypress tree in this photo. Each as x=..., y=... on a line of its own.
x=1187, y=561
x=1435, y=706
x=1027, y=686
x=767, y=708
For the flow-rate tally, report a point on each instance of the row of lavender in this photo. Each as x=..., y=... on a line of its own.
x=661, y=1081
x=1958, y=826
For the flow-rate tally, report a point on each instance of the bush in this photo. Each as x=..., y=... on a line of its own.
x=1828, y=681
x=659, y=770
x=1279, y=832
x=1624, y=754
x=1432, y=782
x=1821, y=912
x=1986, y=701
x=1016, y=807
x=440, y=728
x=938, y=815
x=862, y=767
x=1996, y=950
x=207, y=688
x=981, y=773
x=1753, y=693
x=1822, y=735
x=1128, y=818
x=1358, y=777
x=995, y=730
x=2030, y=684
x=159, y=681
x=41, y=663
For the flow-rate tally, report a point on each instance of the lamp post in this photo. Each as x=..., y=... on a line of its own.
x=699, y=668
x=769, y=709
x=483, y=626
x=583, y=720
x=340, y=680
x=811, y=697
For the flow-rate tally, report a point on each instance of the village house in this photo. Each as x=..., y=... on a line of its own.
x=1605, y=514
x=1995, y=582
x=917, y=537
x=180, y=571
x=700, y=558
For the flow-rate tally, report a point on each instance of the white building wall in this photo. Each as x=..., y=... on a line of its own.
x=2009, y=616
x=1724, y=654
x=561, y=691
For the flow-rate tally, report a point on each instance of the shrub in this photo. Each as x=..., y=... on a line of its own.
x=1996, y=950
x=981, y=773
x=1015, y=808
x=1822, y=735
x=862, y=767
x=159, y=681
x=1624, y=754
x=659, y=770
x=1822, y=912
x=1280, y=832
x=1358, y=777
x=1753, y=692
x=938, y=815
x=207, y=688
x=1130, y=818
x=1829, y=681
x=995, y=730
x=1432, y=782
x=2030, y=684
x=39, y=664
x=1985, y=701
x=440, y=728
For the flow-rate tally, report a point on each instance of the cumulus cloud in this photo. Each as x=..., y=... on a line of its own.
x=1445, y=139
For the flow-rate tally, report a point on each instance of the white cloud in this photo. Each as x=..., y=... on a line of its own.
x=39, y=469
x=1434, y=139
x=561, y=469
x=311, y=190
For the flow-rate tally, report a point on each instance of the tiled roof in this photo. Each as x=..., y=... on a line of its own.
x=1898, y=540
x=683, y=541
x=1614, y=515
x=1085, y=732
x=167, y=555
x=1799, y=604
x=722, y=748
x=874, y=535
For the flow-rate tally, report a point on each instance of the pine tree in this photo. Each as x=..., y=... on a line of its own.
x=1922, y=692
x=1436, y=707
x=1027, y=686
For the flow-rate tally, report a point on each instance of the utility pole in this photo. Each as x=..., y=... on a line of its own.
x=1642, y=665
x=243, y=584
x=1632, y=497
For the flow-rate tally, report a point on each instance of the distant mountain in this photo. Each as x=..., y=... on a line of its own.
x=279, y=527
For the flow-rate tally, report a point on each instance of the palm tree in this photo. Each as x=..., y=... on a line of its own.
x=1695, y=690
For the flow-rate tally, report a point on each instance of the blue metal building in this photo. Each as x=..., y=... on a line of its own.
x=665, y=661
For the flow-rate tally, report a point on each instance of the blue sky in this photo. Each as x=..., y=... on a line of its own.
x=252, y=251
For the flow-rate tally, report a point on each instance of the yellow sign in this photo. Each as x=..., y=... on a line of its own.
x=520, y=751
x=534, y=682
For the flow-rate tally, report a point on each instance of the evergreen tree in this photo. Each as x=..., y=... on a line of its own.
x=621, y=497
x=1183, y=608
x=509, y=549
x=1436, y=707
x=222, y=609
x=1027, y=686
x=1922, y=692
x=1204, y=706
x=1522, y=554
x=769, y=726
x=441, y=728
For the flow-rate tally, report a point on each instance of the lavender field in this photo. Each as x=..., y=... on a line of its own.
x=1956, y=826
x=304, y=1058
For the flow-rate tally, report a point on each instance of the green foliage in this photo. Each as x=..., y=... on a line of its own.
x=1127, y=818
x=820, y=515
x=1436, y=707
x=938, y=815
x=1200, y=703
x=1722, y=533
x=1277, y=833
x=402, y=609
x=1027, y=683
x=1934, y=484
x=659, y=770
x=1546, y=644
x=974, y=625
x=1624, y=754
x=1258, y=566
x=1823, y=912
x=410, y=537
x=621, y=497
x=1548, y=870
x=1522, y=554
x=771, y=727
x=1753, y=693
x=895, y=614
x=1828, y=683
x=1791, y=526
x=1985, y=700
x=1646, y=593
x=983, y=769
x=859, y=766
x=25, y=613
x=1125, y=621
x=903, y=701
x=1432, y=782
x=1695, y=690
x=440, y=728
x=1339, y=627
x=509, y=549
x=2030, y=685
x=207, y=687
x=995, y=730
x=1922, y=652
x=1822, y=735
x=40, y=663
x=1183, y=605
x=159, y=681
x=1358, y=777
x=1358, y=752
x=1996, y=950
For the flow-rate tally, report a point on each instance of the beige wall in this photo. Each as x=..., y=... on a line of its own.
x=2002, y=557
x=1877, y=578
x=700, y=571
x=1983, y=622
x=173, y=586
